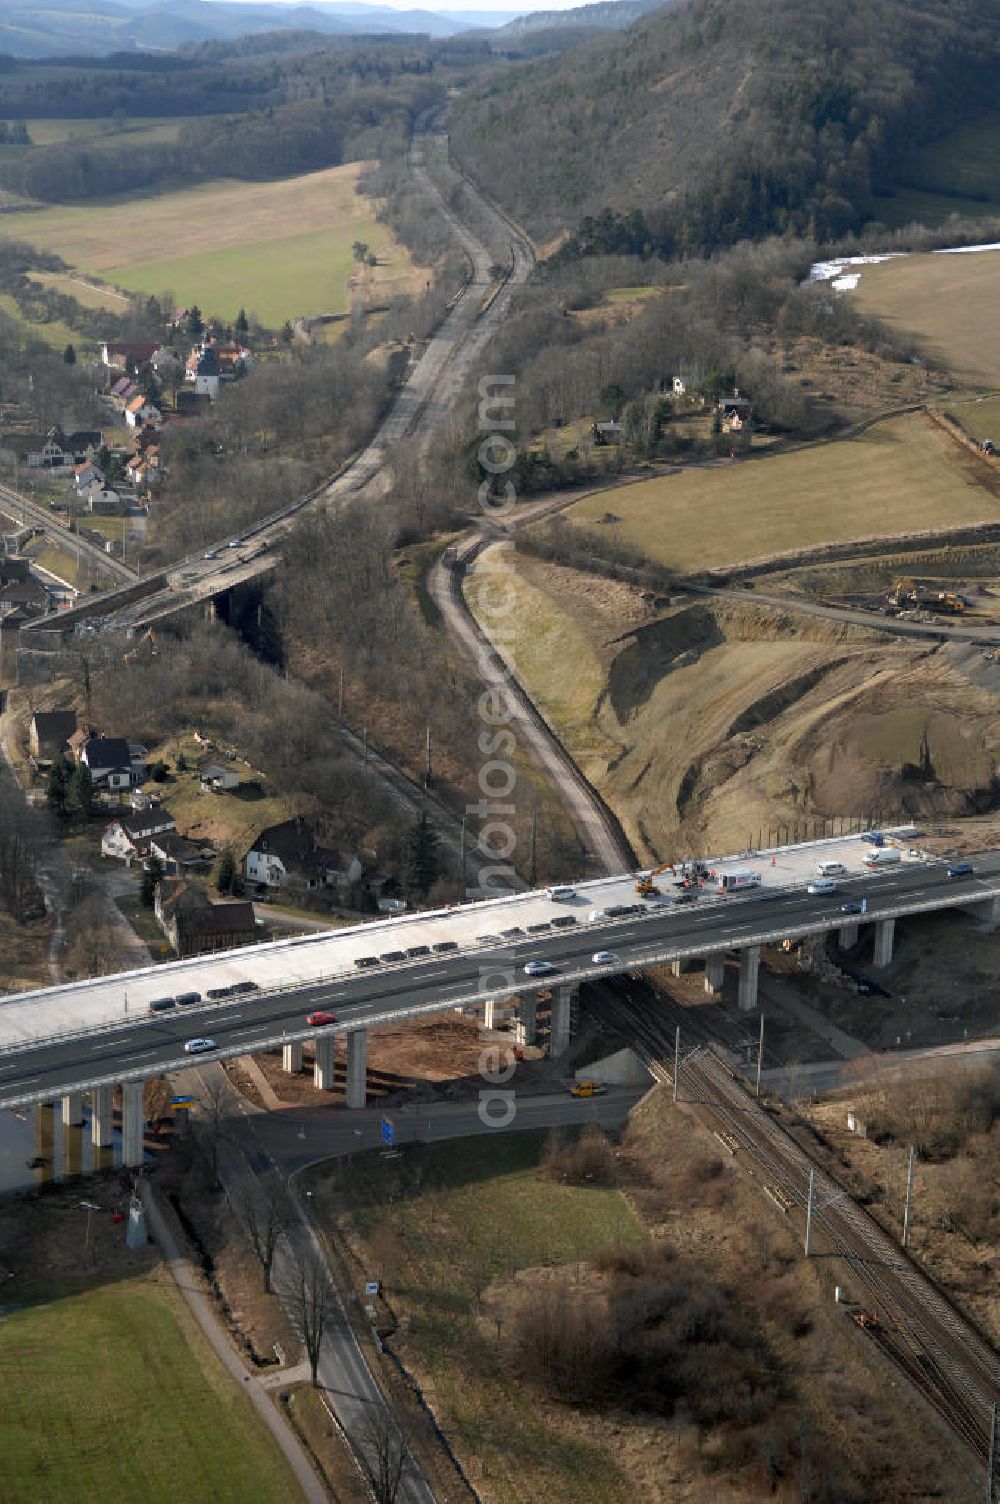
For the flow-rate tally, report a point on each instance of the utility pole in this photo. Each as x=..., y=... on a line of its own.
x=533, y=866
x=677, y=1060
x=340, y=697
x=809, y=1211
x=760, y=1052
x=461, y=858
x=427, y=761
x=909, y=1193
x=364, y=738
x=991, y=1466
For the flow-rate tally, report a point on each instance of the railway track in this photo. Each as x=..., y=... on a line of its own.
x=938, y=1350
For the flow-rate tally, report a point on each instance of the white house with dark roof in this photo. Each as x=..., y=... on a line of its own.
x=128, y=838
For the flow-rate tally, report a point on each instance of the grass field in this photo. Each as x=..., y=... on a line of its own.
x=84, y=292
x=280, y=249
x=948, y=301
x=478, y=1212
x=980, y=418
x=900, y=476
x=153, y=132
x=57, y=334
x=546, y=637
x=112, y=1393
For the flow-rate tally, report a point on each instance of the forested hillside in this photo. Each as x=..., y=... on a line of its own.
x=715, y=120
x=241, y=113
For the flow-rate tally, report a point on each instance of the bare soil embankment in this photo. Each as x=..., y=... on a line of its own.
x=705, y=725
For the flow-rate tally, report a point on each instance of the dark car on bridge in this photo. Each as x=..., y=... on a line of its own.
x=851, y=907
x=960, y=869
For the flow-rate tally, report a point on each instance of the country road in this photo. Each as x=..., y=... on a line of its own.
x=599, y=831
x=430, y=391
x=16, y=506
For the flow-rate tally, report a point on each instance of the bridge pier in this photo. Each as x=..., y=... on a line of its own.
x=291, y=1058
x=847, y=935
x=494, y=1014
x=715, y=971
x=884, y=930
x=564, y=1001
x=528, y=1012
x=323, y=1067
x=72, y=1149
x=678, y=968
x=357, y=1065
x=986, y=913
x=101, y=1100
x=749, y=967
x=72, y=1109
x=133, y=1122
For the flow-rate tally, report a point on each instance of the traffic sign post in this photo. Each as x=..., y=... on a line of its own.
x=388, y=1131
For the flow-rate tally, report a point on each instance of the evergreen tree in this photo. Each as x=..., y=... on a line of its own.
x=227, y=871
x=57, y=793
x=194, y=323
x=152, y=874
x=242, y=325
x=69, y=355
x=421, y=861
x=82, y=788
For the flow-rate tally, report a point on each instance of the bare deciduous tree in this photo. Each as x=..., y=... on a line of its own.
x=262, y=1206
x=310, y=1305
x=383, y=1454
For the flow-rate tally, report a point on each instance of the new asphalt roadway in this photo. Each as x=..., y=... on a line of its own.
x=479, y=972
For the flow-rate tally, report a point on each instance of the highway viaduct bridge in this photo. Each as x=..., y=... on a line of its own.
x=92, y=1036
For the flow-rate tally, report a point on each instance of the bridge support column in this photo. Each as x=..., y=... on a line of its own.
x=884, y=931
x=987, y=913
x=291, y=1058
x=323, y=1071
x=101, y=1100
x=493, y=1014
x=564, y=1000
x=715, y=971
x=133, y=1122
x=749, y=967
x=847, y=935
x=529, y=1017
x=72, y=1109
x=678, y=968
x=357, y=1052
x=72, y=1149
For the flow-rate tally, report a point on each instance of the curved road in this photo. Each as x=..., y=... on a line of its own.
x=597, y=827
x=428, y=394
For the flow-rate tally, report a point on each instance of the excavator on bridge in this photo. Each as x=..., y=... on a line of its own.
x=646, y=884
x=688, y=874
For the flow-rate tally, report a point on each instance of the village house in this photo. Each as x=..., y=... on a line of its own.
x=104, y=503
x=87, y=475
x=49, y=734
x=178, y=854
x=233, y=360
x=122, y=392
x=290, y=852
x=734, y=414
x=679, y=386
x=220, y=777
x=128, y=838
x=109, y=761
x=125, y=355
x=141, y=413
x=28, y=595
x=194, y=925
x=606, y=433
x=202, y=370
x=57, y=449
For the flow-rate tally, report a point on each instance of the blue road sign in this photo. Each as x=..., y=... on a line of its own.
x=864, y=906
x=388, y=1131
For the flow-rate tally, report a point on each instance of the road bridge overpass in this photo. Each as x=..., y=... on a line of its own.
x=92, y=1036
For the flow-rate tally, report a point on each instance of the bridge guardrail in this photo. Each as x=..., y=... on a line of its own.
x=663, y=955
